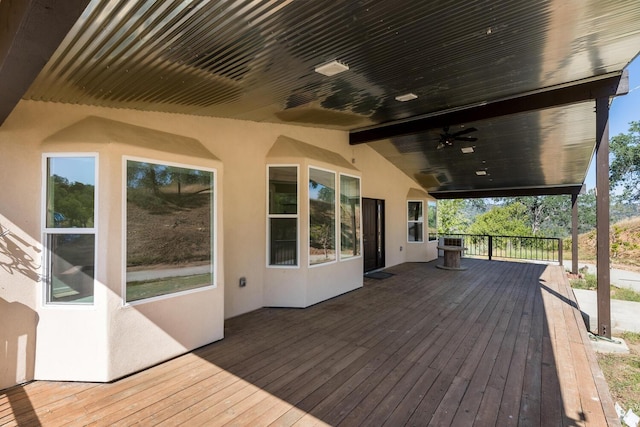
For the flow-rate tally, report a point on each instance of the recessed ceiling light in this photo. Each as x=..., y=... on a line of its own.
x=481, y=173
x=331, y=68
x=467, y=150
x=406, y=97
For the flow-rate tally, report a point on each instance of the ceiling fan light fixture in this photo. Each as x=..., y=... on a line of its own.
x=406, y=97
x=331, y=68
x=481, y=173
x=467, y=150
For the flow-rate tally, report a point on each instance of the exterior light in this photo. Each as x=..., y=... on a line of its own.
x=481, y=173
x=331, y=68
x=406, y=97
x=467, y=150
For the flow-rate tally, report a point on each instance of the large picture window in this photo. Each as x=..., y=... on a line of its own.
x=349, y=216
x=415, y=223
x=69, y=228
x=283, y=215
x=322, y=216
x=169, y=219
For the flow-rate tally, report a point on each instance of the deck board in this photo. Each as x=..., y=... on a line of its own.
x=501, y=343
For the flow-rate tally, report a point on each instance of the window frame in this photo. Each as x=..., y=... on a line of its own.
x=410, y=221
x=214, y=230
x=336, y=223
x=339, y=220
x=46, y=231
x=286, y=216
x=430, y=204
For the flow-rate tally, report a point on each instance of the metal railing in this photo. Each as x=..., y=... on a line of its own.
x=283, y=252
x=548, y=249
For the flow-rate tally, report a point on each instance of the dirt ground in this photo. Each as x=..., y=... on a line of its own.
x=622, y=372
x=624, y=242
x=178, y=237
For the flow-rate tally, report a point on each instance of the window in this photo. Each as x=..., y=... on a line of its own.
x=69, y=228
x=322, y=216
x=169, y=220
x=283, y=215
x=349, y=216
x=415, y=223
x=432, y=220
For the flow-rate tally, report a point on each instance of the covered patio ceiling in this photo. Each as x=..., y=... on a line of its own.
x=522, y=74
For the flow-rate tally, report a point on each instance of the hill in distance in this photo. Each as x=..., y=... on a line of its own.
x=624, y=241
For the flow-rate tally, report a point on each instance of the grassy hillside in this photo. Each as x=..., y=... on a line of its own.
x=625, y=245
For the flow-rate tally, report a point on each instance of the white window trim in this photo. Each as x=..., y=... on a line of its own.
x=214, y=231
x=409, y=221
x=46, y=231
x=426, y=214
x=349, y=258
x=336, y=223
x=296, y=216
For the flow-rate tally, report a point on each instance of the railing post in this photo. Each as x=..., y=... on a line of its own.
x=490, y=246
x=560, y=251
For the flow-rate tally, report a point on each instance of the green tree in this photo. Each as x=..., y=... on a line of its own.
x=451, y=216
x=547, y=216
x=625, y=166
x=622, y=208
x=587, y=211
x=506, y=220
x=74, y=201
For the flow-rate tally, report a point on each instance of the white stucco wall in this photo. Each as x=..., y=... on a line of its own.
x=19, y=271
x=121, y=339
x=427, y=249
x=305, y=284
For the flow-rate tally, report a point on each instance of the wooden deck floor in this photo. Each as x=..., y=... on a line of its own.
x=498, y=344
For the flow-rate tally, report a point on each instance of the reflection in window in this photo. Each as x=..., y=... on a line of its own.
x=283, y=215
x=322, y=216
x=432, y=213
x=283, y=241
x=71, y=267
x=70, y=192
x=69, y=229
x=415, y=221
x=169, y=229
x=349, y=216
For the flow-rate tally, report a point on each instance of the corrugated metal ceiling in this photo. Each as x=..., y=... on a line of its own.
x=255, y=60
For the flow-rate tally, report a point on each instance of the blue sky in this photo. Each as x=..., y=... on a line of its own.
x=75, y=169
x=624, y=109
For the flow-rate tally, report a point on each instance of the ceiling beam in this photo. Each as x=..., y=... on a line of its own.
x=608, y=85
x=508, y=192
x=30, y=31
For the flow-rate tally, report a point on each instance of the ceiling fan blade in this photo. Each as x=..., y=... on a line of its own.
x=464, y=131
x=466, y=138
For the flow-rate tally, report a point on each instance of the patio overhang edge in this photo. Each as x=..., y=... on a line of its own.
x=606, y=85
x=507, y=192
x=33, y=30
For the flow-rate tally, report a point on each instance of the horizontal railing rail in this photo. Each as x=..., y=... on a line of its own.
x=547, y=249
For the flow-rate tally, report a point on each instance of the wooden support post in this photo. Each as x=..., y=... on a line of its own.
x=574, y=233
x=602, y=216
x=560, y=248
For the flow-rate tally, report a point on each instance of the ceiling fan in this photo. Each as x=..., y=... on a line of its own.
x=447, y=139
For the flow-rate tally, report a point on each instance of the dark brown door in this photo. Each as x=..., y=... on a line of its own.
x=373, y=233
